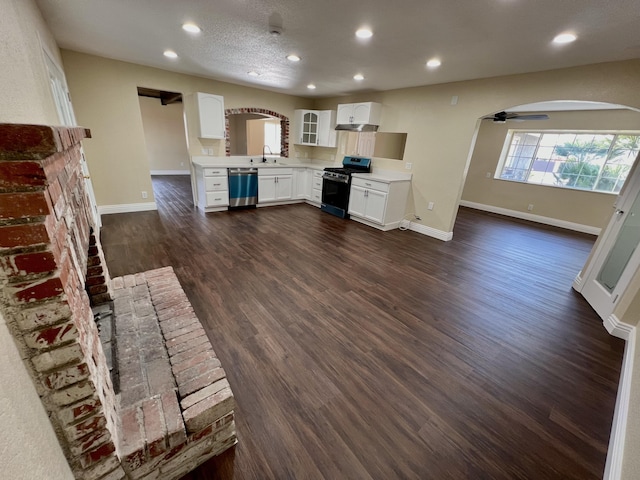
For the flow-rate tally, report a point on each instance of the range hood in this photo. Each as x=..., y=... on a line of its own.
x=357, y=127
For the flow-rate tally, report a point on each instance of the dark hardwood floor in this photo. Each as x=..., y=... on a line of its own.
x=360, y=354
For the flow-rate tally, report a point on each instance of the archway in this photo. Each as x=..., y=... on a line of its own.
x=284, y=126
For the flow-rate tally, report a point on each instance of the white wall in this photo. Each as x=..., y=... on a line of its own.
x=24, y=83
x=28, y=446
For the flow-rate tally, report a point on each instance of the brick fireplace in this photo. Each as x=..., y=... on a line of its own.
x=52, y=271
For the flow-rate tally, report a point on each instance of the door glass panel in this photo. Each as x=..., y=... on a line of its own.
x=622, y=250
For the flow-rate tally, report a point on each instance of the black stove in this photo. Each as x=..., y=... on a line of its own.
x=337, y=184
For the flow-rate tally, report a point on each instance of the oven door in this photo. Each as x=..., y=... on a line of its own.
x=335, y=197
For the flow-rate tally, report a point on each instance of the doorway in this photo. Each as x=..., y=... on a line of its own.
x=165, y=136
x=486, y=188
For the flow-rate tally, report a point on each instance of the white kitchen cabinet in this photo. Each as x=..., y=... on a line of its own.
x=212, y=185
x=316, y=187
x=359, y=113
x=210, y=110
x=275, y=185
x=327, y=128
x=315, y=128
x=368, y=204
x=306, y=127
x=301, y=184
x=379, y=204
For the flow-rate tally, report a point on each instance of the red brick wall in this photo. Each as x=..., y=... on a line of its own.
x=45, y=238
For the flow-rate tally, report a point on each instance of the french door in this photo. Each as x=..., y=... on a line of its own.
x=616, y=258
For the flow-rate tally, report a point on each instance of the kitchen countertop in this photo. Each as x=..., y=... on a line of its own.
x=235, y=162
x=387, y=176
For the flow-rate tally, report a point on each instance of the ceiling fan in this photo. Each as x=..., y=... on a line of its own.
x=502, y=117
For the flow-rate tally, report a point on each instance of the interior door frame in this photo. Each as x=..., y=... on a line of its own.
x=66, y=115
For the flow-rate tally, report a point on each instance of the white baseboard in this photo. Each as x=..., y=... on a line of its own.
x=170, y=172
x=554, y=222
x=424, y=230
x=615, y=453
x=617, y=328
x=127, y=208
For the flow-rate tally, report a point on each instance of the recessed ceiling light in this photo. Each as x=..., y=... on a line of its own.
x=293, y=58
x=565, y=38
x=170, y=54
x=433, y=63
x=253, y=74
x=358, y=76
x=311, y=86
x=364, y=33
x=191, y=28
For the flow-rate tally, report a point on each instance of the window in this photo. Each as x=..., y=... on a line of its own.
x=272, y=136
x=597, y=161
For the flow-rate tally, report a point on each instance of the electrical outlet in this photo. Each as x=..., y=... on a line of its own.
x=182, y=164
x=204, y=151
x=210, y=151
x=408, y=165
x=430, y=206
x=530, y=207
x=454, y=100
x=144, y=194
x=488, y=175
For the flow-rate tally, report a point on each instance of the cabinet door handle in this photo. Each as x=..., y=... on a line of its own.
x=367, y=184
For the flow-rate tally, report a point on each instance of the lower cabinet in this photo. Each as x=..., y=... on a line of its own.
x=316, y=187
x=368, y=204
x=212, y=186
x=275, y=185
x=378, y=204
x=301, y=184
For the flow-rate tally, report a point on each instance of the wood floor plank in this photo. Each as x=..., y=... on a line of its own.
x=361, y=354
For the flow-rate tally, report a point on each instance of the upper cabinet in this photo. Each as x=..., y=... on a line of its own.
x=359, y=113
x=327, y=128
x=306, y=124
x=315, y=128
x=210, y=115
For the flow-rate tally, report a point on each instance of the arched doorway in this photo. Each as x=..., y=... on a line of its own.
x=256, y=112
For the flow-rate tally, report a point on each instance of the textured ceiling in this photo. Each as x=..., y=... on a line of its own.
x=473, y=38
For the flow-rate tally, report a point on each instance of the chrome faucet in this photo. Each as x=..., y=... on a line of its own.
x=264, y=157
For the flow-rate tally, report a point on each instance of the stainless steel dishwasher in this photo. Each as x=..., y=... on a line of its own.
x=243, y=187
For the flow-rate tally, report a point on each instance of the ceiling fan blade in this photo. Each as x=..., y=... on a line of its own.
x=541, y=116
x=497, y=117
x=502, y=117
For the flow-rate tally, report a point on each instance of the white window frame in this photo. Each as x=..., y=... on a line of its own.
x=507, y=146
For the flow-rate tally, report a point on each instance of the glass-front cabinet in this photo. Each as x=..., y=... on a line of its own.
x=315, y=128
x=307, y=123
